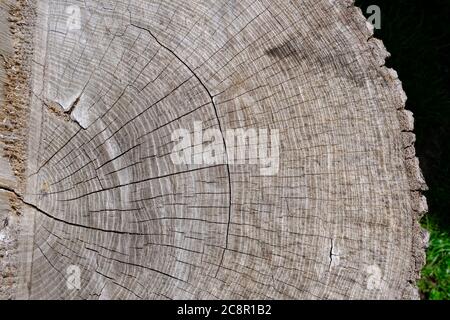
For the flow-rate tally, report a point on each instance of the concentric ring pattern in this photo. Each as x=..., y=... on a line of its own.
x=110, y=89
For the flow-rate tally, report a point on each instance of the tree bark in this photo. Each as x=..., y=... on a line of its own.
x=97, y=193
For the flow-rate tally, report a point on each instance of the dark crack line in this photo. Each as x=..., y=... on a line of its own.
x=73, y=105
x=10, y=190
x=331, y=253
x=73, y=224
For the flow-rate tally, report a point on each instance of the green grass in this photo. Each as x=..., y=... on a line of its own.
x=417, y=35
x=435, y=281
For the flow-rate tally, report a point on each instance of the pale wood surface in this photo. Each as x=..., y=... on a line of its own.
x=102, y=193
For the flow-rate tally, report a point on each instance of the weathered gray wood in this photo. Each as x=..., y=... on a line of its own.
x=100, y=192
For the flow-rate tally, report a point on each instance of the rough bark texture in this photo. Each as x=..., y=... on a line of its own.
x=96, y=188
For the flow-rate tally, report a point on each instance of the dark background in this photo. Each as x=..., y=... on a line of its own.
x=417, y=34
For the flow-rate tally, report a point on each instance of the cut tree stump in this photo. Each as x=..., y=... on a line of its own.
x=94, y=93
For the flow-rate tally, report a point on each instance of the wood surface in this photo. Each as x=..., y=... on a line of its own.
x=93, y=185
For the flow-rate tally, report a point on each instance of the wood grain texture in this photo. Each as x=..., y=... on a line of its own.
x=103, y=194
